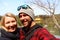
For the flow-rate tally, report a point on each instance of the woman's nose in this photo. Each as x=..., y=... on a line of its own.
x=11, y=24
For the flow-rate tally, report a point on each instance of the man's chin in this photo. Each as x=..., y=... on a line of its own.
x=25, y=25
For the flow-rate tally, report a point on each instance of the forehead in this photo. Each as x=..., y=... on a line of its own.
x=22, y=13
x=9, y=18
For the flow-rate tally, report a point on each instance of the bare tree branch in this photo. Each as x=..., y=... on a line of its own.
x=48, y=8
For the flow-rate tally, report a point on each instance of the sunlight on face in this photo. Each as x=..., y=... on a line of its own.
x=10, y=24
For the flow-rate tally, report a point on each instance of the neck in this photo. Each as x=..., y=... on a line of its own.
x=32, y=24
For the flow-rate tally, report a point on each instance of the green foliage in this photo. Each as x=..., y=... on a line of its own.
x=47, y=20
x=18, y=21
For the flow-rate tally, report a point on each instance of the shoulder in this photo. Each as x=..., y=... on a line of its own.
x=42, y=31
x=2, y=38
x=1, y=30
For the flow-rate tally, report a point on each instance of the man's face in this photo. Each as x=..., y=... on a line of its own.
x=10, y=24
x=25, y=19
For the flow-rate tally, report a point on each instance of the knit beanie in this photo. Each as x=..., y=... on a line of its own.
x=28, y=11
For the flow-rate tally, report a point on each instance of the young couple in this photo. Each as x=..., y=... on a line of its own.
x=30, y=31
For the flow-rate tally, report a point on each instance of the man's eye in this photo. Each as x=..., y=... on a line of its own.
x=24, y=15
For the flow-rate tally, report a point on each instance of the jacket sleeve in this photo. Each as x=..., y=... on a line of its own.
x=45, y=35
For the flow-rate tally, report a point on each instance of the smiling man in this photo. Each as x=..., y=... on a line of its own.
x=31, y=30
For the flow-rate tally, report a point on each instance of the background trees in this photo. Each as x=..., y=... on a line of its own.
x=49, y=6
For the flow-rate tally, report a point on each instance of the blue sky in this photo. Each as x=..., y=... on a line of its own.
x=11, y=6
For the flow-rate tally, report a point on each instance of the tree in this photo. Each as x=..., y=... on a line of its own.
x=49, y=6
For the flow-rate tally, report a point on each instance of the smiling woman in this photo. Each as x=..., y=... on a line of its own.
x=9, y=29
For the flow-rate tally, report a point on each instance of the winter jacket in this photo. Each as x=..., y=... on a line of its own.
x=2, y=38
x=36, y=33
x=9, y=35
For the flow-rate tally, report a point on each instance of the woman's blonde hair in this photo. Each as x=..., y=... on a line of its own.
x=8, y=14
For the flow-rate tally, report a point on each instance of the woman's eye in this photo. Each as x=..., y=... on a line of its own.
x=7, y=22
x=13, y=21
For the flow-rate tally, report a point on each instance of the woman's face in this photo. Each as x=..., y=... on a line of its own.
x=10, y=24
